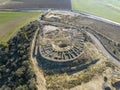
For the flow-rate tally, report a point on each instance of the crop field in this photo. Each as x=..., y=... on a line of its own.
x=109, y=9
x=10, y=22
x=13, y=4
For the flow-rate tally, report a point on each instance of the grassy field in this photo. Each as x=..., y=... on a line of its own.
x=109, y=9
x=10, y=22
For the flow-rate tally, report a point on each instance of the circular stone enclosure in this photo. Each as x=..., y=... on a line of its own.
x=61, y=44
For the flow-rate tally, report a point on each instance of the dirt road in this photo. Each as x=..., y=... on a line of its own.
x=103, y=49
x=39, y=75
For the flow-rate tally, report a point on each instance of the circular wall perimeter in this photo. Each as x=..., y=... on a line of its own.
x=61, y=44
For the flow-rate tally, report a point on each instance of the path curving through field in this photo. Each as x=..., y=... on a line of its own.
x=104, y=50
x=39, y=75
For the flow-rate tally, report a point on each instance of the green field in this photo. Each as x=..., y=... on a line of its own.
x=109, y=9
x=10, y=22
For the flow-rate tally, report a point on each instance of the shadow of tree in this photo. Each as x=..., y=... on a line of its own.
x=117, y=85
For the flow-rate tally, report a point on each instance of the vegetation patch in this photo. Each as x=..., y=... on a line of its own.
x=10, y=22
x=106, y=8
x=67, y=81
x=16, y=72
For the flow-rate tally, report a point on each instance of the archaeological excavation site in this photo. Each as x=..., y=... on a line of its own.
x=73, y=50
x=59, y=44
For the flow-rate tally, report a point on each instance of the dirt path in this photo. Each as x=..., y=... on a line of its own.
x=101, y=46
x=39, y=75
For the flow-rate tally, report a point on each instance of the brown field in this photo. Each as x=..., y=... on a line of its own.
x=17, y=4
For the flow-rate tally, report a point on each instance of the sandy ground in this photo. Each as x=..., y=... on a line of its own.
x=95, y=84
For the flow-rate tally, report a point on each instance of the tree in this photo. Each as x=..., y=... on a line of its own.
x=20, y=71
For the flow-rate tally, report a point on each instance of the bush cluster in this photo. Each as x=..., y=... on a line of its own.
x=15, y=65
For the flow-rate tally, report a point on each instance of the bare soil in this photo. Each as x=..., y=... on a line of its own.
x=59, y=4
x=111, y=31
